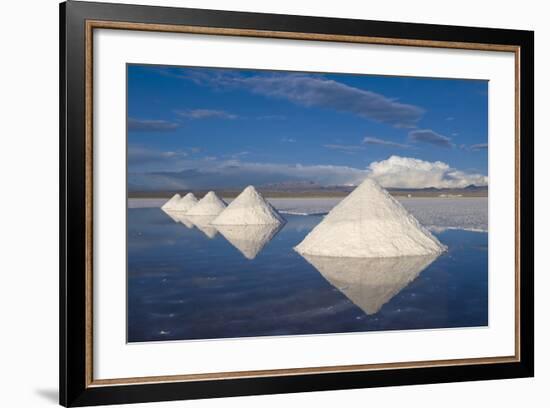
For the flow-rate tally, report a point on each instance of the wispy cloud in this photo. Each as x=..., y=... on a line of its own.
x=344, y=148
x=382, y=142
x=148, y=125
x=235, y=173
x=206, y=114
x=314, y=91
x=239, y=155
x=479, y=146
x=271, y=117
x=141, y=157
x=430, y=137
x=288, y=140
x=157, y=170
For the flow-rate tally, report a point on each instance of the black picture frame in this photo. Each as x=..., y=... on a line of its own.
x=76, y=389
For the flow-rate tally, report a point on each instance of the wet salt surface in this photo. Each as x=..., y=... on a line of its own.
x=437, y=214
x=184, y=285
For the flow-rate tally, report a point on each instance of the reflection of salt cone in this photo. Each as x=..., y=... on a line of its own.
x=178, y=216
x=370, y=282
x=249, y=239
x=202, y=222
x=172, y=214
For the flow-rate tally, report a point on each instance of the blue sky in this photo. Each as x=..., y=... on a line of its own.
x=216, y=128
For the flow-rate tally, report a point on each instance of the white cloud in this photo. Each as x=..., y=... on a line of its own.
x=407, y=172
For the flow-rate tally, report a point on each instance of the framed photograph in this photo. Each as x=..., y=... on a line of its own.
x=256, y=204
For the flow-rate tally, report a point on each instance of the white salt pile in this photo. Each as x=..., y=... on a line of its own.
x=210, y=204
x=171, y=204
x=369, y=223
x=249, y=208
x=249, y=239
x=186, y=203
x=370, y=283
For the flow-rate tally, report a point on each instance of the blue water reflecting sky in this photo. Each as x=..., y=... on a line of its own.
x=182, y=284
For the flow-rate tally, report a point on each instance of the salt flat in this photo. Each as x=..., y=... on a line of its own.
x=437, y=214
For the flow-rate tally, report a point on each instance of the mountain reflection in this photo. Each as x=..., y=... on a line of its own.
x=370, y=283
x=249, y=239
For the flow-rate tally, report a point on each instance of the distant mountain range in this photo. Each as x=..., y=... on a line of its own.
x=470, y=190
x=312, y=189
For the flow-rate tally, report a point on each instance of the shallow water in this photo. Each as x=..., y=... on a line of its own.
x=186, y=283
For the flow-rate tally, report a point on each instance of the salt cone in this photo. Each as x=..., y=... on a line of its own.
x=171, y=203
x=369, y=223
x=249, y=208
x=209, y=205
x=186, y=203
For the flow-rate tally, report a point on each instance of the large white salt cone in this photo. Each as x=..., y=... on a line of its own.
x=249, y=208
x=369, y=223
x=171, y=203
x=249, y=239
x=187, y=202
x=209, y=205
x=370, y=283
